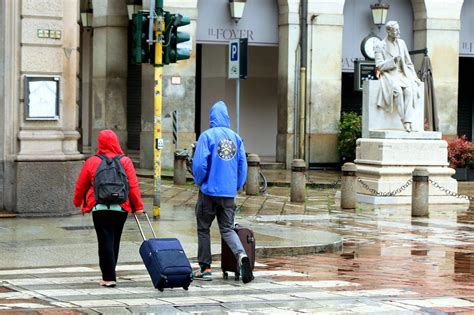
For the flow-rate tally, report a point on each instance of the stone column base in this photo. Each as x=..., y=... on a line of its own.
x=385, y=165
x=46, y=188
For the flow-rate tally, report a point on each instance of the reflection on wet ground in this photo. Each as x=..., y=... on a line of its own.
x=390, y=262
x=387, y=248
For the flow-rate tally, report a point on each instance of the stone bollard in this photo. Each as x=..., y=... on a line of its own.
x=179, y=171
x=298, y=180
x=251, y=186
x=420, y=193
x=348, y=186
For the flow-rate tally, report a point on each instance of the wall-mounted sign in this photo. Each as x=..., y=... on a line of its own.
x=41, y=98
x=259, y=23
x=176, y=80
x=466, y=36
x=54, y=34
x=363, y=70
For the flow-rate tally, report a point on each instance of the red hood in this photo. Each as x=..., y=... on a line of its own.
x=108, y=143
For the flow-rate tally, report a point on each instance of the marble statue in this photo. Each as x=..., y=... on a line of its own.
x=398, y=80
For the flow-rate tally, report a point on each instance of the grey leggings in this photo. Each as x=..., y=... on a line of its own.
x=207, y=208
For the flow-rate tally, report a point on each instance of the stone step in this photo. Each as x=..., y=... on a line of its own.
x=272, y=165
x=134, y=155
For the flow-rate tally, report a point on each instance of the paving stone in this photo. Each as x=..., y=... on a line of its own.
x=439, y=302
x=390, y=263
x=96, y=303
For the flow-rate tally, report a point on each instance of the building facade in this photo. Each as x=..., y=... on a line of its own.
x=64, y=81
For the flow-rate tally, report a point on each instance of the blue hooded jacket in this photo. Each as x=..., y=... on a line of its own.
x=219, y=162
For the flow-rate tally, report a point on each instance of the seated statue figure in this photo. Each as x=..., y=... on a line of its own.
x=398, y=80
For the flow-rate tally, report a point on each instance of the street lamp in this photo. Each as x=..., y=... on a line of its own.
x=237, y=9
x=133, y=7
x=379, y=13
x=87, y=16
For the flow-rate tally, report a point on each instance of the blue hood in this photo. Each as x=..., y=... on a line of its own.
x=219, y=117
x=219, y=162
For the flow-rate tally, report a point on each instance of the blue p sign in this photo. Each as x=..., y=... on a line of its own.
x=234, y=51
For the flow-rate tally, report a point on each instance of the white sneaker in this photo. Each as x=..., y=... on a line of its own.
x=108, y=284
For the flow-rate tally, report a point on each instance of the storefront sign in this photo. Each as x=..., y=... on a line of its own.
x=226, y=34
x=259, y=23
x=466, y=39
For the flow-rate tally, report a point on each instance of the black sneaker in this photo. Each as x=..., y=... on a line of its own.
x=245, y=269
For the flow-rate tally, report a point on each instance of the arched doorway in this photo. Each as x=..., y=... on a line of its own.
x=357, y=25
x=258, y=94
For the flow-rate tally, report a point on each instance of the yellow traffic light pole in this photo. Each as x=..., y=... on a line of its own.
x=157, y=121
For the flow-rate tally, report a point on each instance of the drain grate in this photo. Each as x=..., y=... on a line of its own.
x=78, y=228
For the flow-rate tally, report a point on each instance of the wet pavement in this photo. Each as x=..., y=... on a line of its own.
x=389, y=262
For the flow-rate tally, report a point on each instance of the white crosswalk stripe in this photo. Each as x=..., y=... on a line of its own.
x=77, y=287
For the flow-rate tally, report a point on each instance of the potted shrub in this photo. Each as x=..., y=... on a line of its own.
x=460, y=154
x=350, y=129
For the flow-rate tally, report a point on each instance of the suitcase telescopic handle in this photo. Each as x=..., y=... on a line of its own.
x=140, y=226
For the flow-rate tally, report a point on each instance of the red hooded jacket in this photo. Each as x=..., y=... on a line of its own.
x=109, y=145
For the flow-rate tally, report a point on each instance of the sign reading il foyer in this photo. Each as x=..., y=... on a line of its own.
x=226, y=34
x=259, y=23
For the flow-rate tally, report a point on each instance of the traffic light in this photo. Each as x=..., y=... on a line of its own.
x=171, y=52
x=141, y=51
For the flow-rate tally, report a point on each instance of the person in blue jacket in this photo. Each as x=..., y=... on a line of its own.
x=220, y=169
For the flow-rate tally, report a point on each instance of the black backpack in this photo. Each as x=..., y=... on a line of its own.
x=110, y=181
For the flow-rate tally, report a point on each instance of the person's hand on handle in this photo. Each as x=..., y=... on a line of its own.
x=139, y=212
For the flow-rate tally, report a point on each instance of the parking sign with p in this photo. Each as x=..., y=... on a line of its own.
x=234, y=63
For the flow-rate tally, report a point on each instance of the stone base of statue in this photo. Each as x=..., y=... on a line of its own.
x=386, y=158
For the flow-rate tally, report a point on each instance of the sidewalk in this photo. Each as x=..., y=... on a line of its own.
x=390, y=262
x=59, y=241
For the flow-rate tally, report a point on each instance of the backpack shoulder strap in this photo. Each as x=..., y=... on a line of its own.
x=119, y=156
x=101, y=156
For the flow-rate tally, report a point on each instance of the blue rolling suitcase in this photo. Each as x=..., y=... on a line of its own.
x=165, y=261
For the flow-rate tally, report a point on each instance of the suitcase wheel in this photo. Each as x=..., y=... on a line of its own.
x=161, y=289
x=225, y=275
x=186, y=288
x=237, y=277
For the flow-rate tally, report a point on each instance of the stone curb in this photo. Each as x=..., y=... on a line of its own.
x=298, y=250
x=276, y=251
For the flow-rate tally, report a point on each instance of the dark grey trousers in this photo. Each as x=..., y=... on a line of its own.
x=208, y=208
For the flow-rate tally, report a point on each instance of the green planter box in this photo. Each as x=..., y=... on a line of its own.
x=464, y=174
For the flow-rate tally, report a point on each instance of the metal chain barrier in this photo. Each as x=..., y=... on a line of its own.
x=449, y=192
x=385, y=194
x=312, y=182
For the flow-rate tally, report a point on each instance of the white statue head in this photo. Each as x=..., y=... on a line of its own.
x=393, y=29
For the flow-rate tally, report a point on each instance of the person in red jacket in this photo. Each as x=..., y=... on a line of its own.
x=108, y=219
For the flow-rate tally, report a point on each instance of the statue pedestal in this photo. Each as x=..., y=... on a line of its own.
x=386, y=155
x=385, y=165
